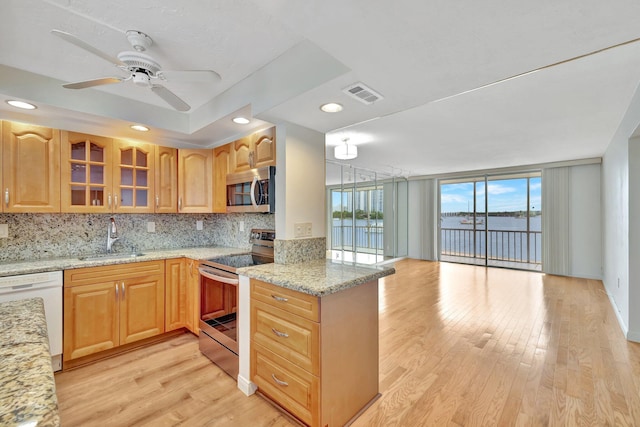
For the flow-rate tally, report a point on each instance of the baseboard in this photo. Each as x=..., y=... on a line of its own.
x=633, y=336
x=625, y=331
x=246, y=386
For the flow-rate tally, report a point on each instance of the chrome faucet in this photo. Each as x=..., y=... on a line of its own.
x=112, y=234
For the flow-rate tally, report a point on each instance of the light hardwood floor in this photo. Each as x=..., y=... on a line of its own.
x=459, y=345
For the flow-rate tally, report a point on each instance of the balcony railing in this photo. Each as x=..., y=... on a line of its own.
x=368, y=238
x=503, y=245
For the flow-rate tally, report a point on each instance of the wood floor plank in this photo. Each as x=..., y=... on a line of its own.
x=459, y=345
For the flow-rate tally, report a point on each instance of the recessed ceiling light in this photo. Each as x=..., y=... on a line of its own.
x=21, y=104
x=331, y=107
x=241, y=120
x=139, y=128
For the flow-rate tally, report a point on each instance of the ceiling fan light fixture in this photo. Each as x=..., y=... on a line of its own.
x=241, y=120
x=21, y=104
x=345, y=151
x=331, y=107
x=139, y=128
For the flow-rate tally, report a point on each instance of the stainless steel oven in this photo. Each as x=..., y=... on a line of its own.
x=219, y=300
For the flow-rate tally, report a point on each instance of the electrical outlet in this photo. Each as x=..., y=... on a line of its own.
x=241, y=225
x=4, y=231
x=151, y=227
x=302, y=229
x=199, y=224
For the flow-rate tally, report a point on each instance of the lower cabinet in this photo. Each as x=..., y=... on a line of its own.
x=109, y=306
x=316, y=357
x=182, y=287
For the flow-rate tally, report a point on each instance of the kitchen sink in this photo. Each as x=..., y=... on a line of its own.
x=109, y=256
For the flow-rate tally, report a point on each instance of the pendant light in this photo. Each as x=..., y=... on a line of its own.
x=345, y=151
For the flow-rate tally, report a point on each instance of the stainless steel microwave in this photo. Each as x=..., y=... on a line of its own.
x=252, y=190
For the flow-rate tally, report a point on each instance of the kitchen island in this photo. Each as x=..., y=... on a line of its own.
x=27, y=386
x=309, y=337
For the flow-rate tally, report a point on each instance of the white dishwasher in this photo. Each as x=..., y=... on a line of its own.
x=47, y=286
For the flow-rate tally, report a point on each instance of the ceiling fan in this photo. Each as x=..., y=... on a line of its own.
x=143, y=70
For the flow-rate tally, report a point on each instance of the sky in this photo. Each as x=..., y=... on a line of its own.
x=503, y=195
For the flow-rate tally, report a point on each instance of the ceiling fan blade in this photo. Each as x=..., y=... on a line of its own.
x=94, y=82
x=84, y=45
x=170, y=97
x=197, y=76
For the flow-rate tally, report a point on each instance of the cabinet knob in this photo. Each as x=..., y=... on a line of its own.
x=157, y=202
x=116, y=290
x=180, y=203
x=109, y=200
x=6, y=197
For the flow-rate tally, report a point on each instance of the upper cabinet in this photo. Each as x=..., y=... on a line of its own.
x=166, y=180
x=86, y=162
x=30, y=158
x=254, y=151
x=133, y=177
x=195, y=181
x=221, y=158
x=105, y=175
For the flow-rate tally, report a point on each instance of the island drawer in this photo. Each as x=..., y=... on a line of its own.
x=294, y=302
x=293, y=388
x=293, y=337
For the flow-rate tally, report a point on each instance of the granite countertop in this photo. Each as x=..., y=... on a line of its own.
x=39, y=266
x=318, y=277
x=27, y=385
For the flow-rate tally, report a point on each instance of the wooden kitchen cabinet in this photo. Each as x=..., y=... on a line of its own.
x=133, y=177
x=195, y=181
x=30, y=163
x=175, y=277
x=254, y=151
x=86, y=173
x=221, y=158
x=166, y=180
x=109, y=306
x=192, y=321
x=316, y=357
x=103, y=175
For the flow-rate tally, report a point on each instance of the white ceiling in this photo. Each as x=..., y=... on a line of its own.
x=433, y=61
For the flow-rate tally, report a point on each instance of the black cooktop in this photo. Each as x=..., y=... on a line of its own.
x=236, y=261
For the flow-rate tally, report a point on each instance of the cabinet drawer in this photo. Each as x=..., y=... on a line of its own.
x=292, y=388
x=294, y=302
x=295, y=338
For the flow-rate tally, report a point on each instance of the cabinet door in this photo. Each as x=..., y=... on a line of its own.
x=175, y=294
x=85, y=173
x=220, y=170
x=31, y=168
x=166, y=177
x=195, y=181
x=193, y=297
x=141, y=308
x=133, y=177
x=242, y=154
x=90, y=319
x=264, y=147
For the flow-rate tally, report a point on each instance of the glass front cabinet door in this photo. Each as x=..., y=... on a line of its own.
x=133, y=177
x=86, y=173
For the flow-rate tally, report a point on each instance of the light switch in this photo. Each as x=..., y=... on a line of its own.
x=151, y=227
x=199, y=224
x=241, y=225
x=4, y=231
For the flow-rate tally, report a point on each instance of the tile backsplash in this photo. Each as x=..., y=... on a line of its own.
x=41, y=236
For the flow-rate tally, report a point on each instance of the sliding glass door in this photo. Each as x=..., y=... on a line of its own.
x=492, y=220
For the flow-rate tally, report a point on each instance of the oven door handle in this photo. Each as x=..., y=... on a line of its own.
x=210, y=275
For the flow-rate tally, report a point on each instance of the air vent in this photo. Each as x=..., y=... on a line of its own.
x=363, y=93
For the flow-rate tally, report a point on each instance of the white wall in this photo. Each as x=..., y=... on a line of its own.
x=616, y=188
x=585, y=219
x=300, y=180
